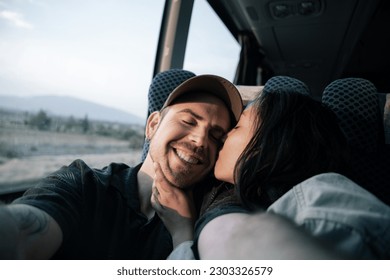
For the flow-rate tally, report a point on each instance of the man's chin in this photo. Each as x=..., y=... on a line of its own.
x=184, y=182
x=184, y=176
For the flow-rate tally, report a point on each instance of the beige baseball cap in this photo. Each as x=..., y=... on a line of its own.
x=212, y=84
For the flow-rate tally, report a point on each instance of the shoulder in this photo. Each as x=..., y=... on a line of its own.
x=334, y=207
x=330, y=191
x=80, y=173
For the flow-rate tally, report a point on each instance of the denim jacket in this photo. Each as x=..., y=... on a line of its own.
x=341, y=213
x=331, y=207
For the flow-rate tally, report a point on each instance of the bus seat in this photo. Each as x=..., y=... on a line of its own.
x=162, y=85
x=248, y=93
x=355, y=102
x=286, y=83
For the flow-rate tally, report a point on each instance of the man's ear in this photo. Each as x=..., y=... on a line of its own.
x=152, y=124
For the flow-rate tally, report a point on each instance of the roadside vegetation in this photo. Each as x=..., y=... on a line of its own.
x=33, y=145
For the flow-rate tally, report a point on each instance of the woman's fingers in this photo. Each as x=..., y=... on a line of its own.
x=155, y=200
x=160, y=181
x=166, y=196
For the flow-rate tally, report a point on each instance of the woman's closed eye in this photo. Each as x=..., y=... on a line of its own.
x=218, y=136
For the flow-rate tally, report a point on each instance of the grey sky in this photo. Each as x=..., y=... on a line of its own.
x=100, y=50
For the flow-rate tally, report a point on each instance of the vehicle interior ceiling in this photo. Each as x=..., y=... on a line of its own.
x=316, y=41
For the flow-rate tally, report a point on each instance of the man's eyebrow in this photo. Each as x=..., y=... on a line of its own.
x=189, y=111
x=198, y=117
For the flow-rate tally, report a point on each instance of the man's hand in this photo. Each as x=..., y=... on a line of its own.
x=174, y=206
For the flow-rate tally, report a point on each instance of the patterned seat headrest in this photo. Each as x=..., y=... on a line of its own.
x=355, y=102
x=286, y=83
x=162, y=85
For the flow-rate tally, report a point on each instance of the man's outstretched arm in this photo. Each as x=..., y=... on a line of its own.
x=27, y=232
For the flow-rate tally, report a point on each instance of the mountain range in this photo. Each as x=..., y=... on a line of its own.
x=68, y=106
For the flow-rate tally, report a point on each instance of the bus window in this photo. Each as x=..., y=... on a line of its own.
x=74, y=80
x=210, y=50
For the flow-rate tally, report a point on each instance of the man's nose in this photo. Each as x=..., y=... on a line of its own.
x=199, y=137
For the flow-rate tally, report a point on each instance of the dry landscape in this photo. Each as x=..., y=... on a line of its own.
x=27, y=154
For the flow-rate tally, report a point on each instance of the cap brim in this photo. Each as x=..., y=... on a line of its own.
x=212, y=84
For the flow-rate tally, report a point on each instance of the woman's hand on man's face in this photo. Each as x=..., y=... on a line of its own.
x=174, y=206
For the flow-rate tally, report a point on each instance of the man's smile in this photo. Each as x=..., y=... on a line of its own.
x=189, y=158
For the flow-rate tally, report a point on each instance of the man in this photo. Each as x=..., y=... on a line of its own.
x=84, y=213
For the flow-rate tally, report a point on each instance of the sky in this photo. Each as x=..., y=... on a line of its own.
x=100, y=50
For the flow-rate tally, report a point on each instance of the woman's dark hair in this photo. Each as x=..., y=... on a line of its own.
x=296, y=137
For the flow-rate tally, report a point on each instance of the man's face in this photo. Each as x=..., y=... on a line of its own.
x=185, y=142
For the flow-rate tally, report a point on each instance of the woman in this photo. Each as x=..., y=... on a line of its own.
x=282, y=139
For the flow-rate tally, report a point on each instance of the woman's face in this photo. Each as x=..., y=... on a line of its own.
x=236, y=141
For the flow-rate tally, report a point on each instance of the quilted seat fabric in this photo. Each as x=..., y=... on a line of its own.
x=356, y=104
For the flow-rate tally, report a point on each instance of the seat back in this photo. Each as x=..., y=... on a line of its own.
x=280, y=83
x=355, y=102
x=162, y=85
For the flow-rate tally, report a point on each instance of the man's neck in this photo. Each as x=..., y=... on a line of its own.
x=145, y=182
